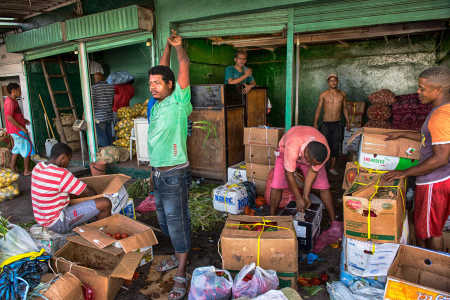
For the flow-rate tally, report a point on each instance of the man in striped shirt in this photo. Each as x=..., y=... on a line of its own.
x=51, y=185
x=103, y=99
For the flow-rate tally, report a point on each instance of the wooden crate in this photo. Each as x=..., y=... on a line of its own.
x=209, y=158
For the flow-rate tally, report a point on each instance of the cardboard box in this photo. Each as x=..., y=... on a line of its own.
x=278, y=249
x=376, y=153
x=352, y=171
x=365, y=258
x=230, y=198
x=386, y=211
x=67, y=287
x=355, y=111
x=98, y=269
x=237, y=173
x=107, y=186
x=446, y=238
x=418, y=273
x=140, y=235
x=260, y=154
x=263, y=135
x=258, y=171
x=349, y=144
x=260, y=186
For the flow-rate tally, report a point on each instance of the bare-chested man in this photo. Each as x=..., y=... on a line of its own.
x=333, y=103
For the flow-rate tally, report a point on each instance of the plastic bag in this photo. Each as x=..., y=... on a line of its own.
x=120, y=77
x=253, y=281
x=358, y=290
x=272, y=295
x=17, y=241
x=209, y=283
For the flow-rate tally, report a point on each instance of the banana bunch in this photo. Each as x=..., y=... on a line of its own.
x=7, y=177
x=9, y=191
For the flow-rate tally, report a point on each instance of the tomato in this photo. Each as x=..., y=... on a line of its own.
x=303, y=281
x=324, y=277
x=124, y=235
x=316, y=281
x=117, y=236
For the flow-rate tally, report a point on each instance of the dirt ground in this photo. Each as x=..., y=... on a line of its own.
x=204, y=245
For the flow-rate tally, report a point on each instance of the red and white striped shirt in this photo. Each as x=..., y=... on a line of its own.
x=50, y=189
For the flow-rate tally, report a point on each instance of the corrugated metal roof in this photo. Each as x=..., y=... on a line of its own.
x=43, y=36
x=109, y=22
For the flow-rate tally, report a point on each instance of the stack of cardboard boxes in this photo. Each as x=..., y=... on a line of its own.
x=261, y=143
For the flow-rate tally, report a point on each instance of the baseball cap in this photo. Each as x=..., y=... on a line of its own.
x=332, y=75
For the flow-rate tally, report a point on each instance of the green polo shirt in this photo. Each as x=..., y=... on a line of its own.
x=167, y=131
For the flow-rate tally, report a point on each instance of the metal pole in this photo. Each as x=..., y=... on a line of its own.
x=297, y=79
x=87, y=103
x=289, y=69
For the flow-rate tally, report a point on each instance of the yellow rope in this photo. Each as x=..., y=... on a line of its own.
x=264, y=224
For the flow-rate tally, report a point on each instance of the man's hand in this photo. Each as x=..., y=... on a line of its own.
x=247, y=88
x=248, y=72
x=174, y=40
x=393, y=175
x=348, y=125
x=393, y=136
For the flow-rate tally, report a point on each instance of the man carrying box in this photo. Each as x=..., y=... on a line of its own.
x=304, y=147
x=51, y=184
x=432, y=197
x=171, y=175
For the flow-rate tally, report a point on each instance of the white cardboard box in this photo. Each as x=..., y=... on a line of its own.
x=237, y=173
x=231, y=198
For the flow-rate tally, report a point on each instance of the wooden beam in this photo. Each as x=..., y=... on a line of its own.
x=372, y=32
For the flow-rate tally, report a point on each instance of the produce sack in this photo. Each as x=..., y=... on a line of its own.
x=109, y=154
x=378, y=124
x=209, y=283
x=253, y=281
x=17, y=241
x=378, y=112
x=121, y=77
x=383, y=96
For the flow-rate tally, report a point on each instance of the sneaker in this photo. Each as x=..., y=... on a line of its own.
x=329, y=236
x=334, y=172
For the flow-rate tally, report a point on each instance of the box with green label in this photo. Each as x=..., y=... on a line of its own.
x=376, y=207
x=375, y=152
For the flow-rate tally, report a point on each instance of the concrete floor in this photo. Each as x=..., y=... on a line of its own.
x=19, y=210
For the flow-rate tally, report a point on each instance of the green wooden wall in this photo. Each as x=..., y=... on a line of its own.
x=37, y=85
x=364, y=67
x=135, y=59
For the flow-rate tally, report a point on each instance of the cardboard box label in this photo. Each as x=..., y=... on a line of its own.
x=398, y=290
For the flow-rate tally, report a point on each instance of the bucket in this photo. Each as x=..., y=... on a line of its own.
x=98, y=168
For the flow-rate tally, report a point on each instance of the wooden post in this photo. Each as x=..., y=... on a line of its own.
x=297, y=79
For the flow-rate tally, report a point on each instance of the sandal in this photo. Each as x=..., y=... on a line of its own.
x=181, y=291
x=168, y=264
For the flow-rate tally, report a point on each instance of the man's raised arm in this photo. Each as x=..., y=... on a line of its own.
x=183, y=60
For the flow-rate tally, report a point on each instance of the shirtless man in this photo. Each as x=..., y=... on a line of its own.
x=239, y=73
x=333, y=103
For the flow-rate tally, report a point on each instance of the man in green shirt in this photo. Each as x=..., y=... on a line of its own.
x=167, y=134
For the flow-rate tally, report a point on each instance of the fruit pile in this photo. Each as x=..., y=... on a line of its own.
x=118, y=235
x=256, y=226
x=312, y=280
x=9, y=188
x=123, y=127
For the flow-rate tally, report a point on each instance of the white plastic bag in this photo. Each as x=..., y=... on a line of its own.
x=17, y=241
x=209, y=283
x=358, y=290
x=272, y=295
x=253, y=281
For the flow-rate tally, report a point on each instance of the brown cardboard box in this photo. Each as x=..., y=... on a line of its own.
x=140, y=235
x=352, y=171
x=67, y=287
x=102, y=185
x=258, y=172
x=386, y=210
x=260, y=154
x=356, y=111
x=263, y=135
x=260, y=186
x=373, y=142
x=98, y=269
x=278, y=249
x=418, y=273
x=446, y=238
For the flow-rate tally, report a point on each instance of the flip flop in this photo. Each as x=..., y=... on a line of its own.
x=178, y=290
x=168, y=264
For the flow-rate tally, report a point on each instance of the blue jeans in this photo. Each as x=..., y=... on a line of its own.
x=104, y=133
x=171, y=190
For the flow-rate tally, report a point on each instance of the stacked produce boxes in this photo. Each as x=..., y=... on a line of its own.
x=261, y=144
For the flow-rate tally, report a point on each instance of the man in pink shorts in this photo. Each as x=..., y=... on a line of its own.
x=304, y=147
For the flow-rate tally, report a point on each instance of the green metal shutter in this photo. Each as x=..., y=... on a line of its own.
x=326, y=15
x=255, y=23
x=43, y=36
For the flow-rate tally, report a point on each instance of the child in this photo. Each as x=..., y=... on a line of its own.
x=51, y=184
x=16, y=127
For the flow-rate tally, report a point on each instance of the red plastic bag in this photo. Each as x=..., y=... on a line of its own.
x=147, y=205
